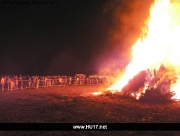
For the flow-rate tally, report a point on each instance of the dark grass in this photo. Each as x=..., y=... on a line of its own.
x=76, y=104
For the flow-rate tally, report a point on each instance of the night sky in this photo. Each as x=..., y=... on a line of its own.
x=65, y=37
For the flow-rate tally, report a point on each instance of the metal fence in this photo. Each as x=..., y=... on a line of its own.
x=35, y=84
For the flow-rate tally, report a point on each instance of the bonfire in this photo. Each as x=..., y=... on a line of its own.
x=155, y=66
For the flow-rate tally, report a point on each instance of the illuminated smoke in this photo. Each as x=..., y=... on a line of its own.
x=126, y=18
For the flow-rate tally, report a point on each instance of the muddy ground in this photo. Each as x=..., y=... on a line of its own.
x=76, y=104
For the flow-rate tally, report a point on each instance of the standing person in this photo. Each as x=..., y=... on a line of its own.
x=34, y=82
x=21, y=82
x=16, y=82
x=45, y=81
x=2, y=83
x=57, y=81
x=90, y=80
x=52, y=81
x=41, y=81
x=29, y=82
x=60, y=80
x=37, y=82
x=70, y=80
x=26, y=81
x=48, y=81
x=11, y=84
x=8, y=80
x=87, y=80
x=80, y=80
x=77, y=80
x=97, y=80
x=74, y=80
x=83, y=80
x=65, y=81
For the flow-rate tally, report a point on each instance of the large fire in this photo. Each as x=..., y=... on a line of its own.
x=159, y=45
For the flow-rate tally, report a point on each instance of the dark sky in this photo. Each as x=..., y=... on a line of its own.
x=60, y=37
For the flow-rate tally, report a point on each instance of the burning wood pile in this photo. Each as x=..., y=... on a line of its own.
x=151, y=85
x=154, y=71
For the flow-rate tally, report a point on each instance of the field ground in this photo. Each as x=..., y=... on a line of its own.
x=76, y=104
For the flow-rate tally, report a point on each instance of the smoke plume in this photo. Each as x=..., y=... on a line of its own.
x=127, y=17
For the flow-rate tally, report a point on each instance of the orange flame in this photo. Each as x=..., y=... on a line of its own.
x=96, y=93
x=158, y=44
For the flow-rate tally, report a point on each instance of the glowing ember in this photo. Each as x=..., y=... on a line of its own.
x=175, y=89
x=136, y=95
x=96, y=93
x=159, y=45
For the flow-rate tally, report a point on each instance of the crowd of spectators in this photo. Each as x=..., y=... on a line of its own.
x=9, y=82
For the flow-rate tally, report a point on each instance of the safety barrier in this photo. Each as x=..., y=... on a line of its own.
x=35, y=84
